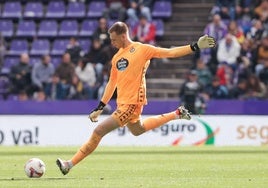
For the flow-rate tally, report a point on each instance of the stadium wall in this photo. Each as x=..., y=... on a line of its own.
x=66, y=130
x=214, y=107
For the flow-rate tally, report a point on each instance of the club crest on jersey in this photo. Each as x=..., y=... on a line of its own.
x=132, y=49
x=122, y=64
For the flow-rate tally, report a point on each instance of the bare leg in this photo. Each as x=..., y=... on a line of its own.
x=136, y=128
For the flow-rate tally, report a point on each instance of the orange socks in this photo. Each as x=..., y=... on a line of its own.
x=86, y=149
x=156, y=121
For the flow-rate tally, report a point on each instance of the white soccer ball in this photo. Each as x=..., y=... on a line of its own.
x=34, y=168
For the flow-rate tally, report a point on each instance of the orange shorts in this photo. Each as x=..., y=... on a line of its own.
x=127, y=113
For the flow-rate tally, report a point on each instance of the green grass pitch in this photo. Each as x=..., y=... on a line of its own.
x=155, y=167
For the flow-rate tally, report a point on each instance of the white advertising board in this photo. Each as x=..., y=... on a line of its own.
x=63, y=130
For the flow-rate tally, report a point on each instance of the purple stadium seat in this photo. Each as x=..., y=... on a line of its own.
x=244, y=24
x=18, y=46
x=9, y=61
x=26, y=28
x=33, y=10
x=48, y=28
x=35, y=59
x=56, y=60
x=131, y=23
x=85, y=44
x=162, y=9
x=59, y=46
x=95, y=9
x=88, y=27
x=68, y=28
x=12, y=9
x=4, y=86
x=55, y=9
x=40, y=47
x=6, y=28
x=111, y=22
x=76, y=10
x=159, y=26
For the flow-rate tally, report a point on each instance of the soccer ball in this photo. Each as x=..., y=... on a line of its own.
x=34, y=168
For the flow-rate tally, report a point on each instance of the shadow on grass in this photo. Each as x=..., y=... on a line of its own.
x=36, y=179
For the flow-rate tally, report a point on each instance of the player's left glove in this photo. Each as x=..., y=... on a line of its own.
x=94, y=114
x=203, y=42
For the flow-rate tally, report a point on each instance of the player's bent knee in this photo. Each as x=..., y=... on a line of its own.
x=99, y=132
x=137, y=133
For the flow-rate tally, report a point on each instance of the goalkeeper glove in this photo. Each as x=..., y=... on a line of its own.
x=93, y=116
x=203, y=42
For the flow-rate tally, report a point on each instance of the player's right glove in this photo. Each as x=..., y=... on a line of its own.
x=94, y=114
x=203, y=42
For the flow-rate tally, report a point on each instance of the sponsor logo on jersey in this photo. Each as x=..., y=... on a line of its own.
x=122, y=64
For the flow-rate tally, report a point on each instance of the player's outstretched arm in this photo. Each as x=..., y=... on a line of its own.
x=202, y=43
x=94, y=114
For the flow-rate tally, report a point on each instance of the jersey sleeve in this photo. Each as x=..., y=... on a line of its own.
x=158, y=52
x=110, y=87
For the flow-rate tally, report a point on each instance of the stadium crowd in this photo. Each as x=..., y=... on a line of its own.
x=238, y=67
x=80, y=74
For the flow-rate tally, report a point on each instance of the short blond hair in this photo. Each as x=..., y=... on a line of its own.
x=119, y=28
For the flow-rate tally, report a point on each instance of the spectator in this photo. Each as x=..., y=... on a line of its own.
x=55, y=90
x=103, y=82
x=255, y=89
x=256, y=33
x=239, y=91
x=65, y=70
x=243, y=9
x=23, y=96
x=86, y=73
x=74, y=49
x=264, y=73
x=236, y=31
x=261, y=11
x=95, y=56
x=20, y=75
x=189, y=93
x=144, y=32
x=39, y=96
x=76, y=89
x=5, y=86
x=262, y=55
x=228, y=50
x=203, y=73
x=101, y=32
x=225, y=74
x=2, y=50
x=107, y=54
x=244, y=66
x=226, y=8
x=139, y=8
x=216, y=90
x=116, y=9
x=42, y=72
x=217, y=29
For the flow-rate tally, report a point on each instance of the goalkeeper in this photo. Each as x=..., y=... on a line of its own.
x=127, y=75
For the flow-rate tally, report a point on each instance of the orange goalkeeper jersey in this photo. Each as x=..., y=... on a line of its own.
x=129, y=66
